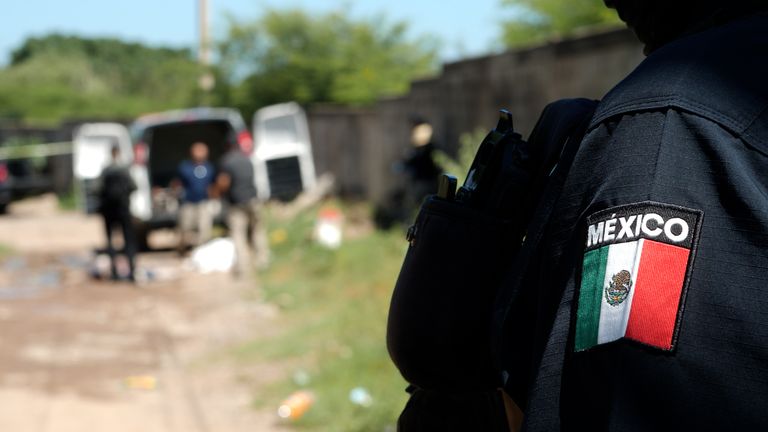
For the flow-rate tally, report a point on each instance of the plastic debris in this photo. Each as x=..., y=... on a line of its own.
x=217, y=255
x=301, y=378
x=328, y=229
x=278, y=236
x=141, y=382
x=360, y=397
x=296, y=405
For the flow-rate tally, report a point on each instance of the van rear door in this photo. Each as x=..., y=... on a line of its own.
x=92, y=146
x=283, y=157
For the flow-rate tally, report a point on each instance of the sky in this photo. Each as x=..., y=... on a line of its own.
x=465, y=27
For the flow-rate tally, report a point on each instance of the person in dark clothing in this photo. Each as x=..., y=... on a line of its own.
x=236, y=183
x=644, y=308
x=419, y=165
x=116, y=188
x=419, y=176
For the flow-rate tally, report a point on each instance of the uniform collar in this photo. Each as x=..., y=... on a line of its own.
x=718, y=74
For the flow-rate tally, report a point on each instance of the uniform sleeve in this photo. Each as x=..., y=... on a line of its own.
x=616, y=163
x=665, y=164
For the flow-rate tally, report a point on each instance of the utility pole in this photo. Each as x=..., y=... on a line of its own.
x=203, y=52
x=207, y=81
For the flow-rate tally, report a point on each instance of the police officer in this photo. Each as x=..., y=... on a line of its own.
x=114, y=206
x=236, y=182
x=419, y=165
x=646, y=307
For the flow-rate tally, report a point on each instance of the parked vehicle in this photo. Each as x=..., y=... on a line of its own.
x=5, y=187
x=25, y=170
x=162, y=141
x=91, y=148
x=283, y=156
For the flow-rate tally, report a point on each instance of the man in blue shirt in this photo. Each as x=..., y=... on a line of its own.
x=196, y=176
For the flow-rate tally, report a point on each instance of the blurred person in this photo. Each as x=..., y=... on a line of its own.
x=236, y=183
x=196, y=178
x=419, y=165
x=419, y=174
x=114, y=198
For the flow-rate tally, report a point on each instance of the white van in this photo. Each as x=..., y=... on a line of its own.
x=161, y=142
x=283, y=156
x=91, y=152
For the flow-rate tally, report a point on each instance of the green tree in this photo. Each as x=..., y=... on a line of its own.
x=535, y=20
x=56, y=77
x=292, y=55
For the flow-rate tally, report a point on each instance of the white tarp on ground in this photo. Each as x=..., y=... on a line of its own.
x=218, y=255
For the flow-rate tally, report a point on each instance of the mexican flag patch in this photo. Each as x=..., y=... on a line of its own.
x=635, y=273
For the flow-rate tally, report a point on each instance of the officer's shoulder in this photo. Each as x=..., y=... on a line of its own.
x=716, y=74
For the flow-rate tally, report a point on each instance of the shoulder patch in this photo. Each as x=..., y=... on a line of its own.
x=635, y=273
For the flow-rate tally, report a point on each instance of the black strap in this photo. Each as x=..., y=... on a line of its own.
x=564, y=123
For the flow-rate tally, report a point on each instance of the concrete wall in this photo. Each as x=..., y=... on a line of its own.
x=342, y=139
x=359, y=146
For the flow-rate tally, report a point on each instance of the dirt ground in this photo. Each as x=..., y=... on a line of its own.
x=78, y=354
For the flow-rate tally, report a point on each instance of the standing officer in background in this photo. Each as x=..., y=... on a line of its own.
x=645, y=307
x=114, y=205
x=196, y=176
x=419, y=165
x=236, y=183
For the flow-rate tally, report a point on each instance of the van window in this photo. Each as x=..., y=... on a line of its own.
x=281, y=130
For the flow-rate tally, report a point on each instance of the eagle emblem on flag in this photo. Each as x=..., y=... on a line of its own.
x=618, y=288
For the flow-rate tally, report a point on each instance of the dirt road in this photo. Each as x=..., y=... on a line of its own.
x=78, y=355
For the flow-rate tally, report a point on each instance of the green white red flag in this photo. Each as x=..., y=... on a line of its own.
x=635, y=273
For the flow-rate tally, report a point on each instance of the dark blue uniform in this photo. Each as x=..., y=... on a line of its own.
x=684, y=139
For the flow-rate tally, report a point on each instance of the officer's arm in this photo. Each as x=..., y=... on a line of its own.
x=223, y=182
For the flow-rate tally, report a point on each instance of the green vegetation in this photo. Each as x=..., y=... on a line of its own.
x=68, y=201
x=468, y=145
x=5, y=250
x=537, y=20
x=334, y=307
x=295, y=55
x=57, y=77
x=284, y=55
